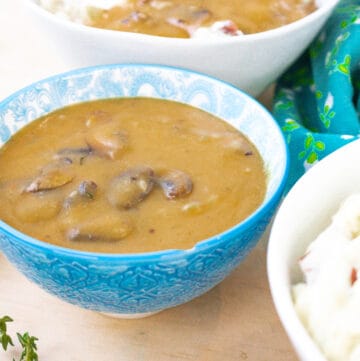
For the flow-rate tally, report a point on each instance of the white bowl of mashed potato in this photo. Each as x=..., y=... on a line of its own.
x=314, y=259
x=249, y=45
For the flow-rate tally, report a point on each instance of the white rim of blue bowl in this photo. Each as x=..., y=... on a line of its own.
x=219, y=238
x=280, y=31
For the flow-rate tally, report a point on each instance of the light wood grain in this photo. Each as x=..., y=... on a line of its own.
x=235, y=321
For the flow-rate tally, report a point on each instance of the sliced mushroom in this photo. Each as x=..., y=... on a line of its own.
x=87, y=189
x=200, y=15
x=106, y=228
x=182, y=24
x=35, y=207
x=52, y=176
x=189, y=19
x=131, y=187
x=108, y=140
x=73, y=155
x=85, y=192
x=176, y=184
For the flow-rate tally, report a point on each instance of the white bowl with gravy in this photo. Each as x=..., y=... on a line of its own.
x=250, y=61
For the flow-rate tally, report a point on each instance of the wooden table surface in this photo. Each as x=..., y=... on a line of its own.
x=235, y=321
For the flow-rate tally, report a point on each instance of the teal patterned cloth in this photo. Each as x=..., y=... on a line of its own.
x=317, y=102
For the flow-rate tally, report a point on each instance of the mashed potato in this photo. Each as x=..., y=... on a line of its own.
x=328, y=301
x=78, y=11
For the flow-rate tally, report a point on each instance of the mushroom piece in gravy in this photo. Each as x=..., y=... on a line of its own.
x=51, y=177
x=104, y=228
x=107, y=140
x=85, y=192
x=175, y=184
x=131, y=187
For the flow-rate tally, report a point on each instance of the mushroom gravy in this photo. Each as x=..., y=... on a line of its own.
x=128, y=175
x=185, y=18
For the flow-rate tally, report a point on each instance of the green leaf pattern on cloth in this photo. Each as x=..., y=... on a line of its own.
x=327, y=113
x=317, y=101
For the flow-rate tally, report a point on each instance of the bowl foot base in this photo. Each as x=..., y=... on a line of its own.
x=130, y=315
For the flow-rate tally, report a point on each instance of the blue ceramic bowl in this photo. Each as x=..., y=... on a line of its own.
x=138, y=284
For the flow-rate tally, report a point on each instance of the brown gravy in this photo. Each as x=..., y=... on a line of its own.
x=180, y=18
x=128, y=175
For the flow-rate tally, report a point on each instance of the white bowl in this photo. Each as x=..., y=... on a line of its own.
x=304, y=213
x=250, y=62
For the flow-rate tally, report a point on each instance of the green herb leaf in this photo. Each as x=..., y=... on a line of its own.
x=89, y=195
x=5, y=339
x=29, y=347
x=28, y=343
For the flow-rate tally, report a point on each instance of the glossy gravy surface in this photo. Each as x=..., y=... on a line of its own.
x=180, y=18
x=128, y=175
